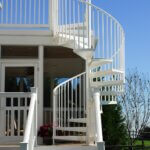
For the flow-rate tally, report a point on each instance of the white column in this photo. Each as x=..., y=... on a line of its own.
x=89, y=109
x=98, y=120
x=53, y=16
x=40, y=85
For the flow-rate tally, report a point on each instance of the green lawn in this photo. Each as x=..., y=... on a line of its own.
x=146, y=142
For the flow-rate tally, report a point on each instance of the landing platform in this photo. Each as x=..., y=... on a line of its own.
x=53, y=147
x=66, y=147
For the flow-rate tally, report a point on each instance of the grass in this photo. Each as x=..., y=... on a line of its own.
x=139, y=142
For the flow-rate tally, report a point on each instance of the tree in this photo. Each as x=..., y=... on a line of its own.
x=145, y=134
x=114, y=129
x=136, y=103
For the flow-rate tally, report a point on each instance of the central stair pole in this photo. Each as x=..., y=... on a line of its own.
x=98, y=120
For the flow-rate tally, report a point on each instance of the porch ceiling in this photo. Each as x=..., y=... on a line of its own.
x=59, y=52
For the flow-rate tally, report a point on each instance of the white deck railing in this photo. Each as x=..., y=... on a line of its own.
x=30, y=135
x=25, y=14
x=69, y=102
x=14, y=108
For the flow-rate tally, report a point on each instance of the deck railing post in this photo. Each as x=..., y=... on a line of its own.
x=98, y=120
x=53, y=16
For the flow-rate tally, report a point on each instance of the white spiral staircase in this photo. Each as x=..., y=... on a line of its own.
x=97, y=37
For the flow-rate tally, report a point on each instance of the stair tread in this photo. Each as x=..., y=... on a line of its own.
x=106, y=72
x=106, y=83
x=109, y=102
x=67, y=147
x=77, y=129
x=99, y=62
x=70, y=138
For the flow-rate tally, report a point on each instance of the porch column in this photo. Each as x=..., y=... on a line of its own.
x=98, y=120
x=40, y=85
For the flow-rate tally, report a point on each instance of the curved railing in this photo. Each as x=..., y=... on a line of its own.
x=69, y=102
x=91, y=28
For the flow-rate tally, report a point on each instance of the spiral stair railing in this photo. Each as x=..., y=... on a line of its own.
x=91, y=27
x=99, y=38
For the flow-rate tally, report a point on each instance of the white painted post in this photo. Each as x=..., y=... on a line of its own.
x=40, y=86
x=53, y=16
x=98, y=120
x=2, y=100
x=88, y=22
x=35, y=90
x=89, y=110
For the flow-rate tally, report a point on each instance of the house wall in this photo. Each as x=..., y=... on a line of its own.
x=53, y=62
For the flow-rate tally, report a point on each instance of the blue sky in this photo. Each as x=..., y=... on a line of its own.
x=134, y=15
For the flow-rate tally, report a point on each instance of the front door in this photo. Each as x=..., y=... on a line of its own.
x=16, y=77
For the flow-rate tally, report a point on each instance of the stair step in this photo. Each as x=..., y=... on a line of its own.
x=66, y=147
x=106, y=83
x=9, y=147
x=109, y=102
x=106, y=72
x=113, y=93
x=71, y=138
x=75, y=129
x=78, y=120
x=99, y=62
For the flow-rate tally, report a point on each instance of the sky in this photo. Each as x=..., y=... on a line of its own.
x=134, y=15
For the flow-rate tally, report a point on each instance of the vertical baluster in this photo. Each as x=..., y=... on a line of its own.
x=83, y=12
x=111, y=42
x=88, y=24
x=80, y=108
x=44, y=11
x=65, y=105
x=114, y=64
x=70, y=19
x=120, y=45
x=78, y=15
x=107, y=39
x=103, y=47
x=62, y=106
x=20, y=11
x=25, y=12
x=18, y=116
x=39, y=12
x=118, y=34
x=61, y=15
x=74, y=21
x=30, y=11
x=98, y=32
x=84, y=95
x=65, y=11
x=25, y=113
x=2, y=12
x=12, y=118
x=59, y=105
x=68, y=109
x=34, y=11
x=11, y=11
x=76, y=104
x=72, y=99
x=6, y=11
x=7, y=120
